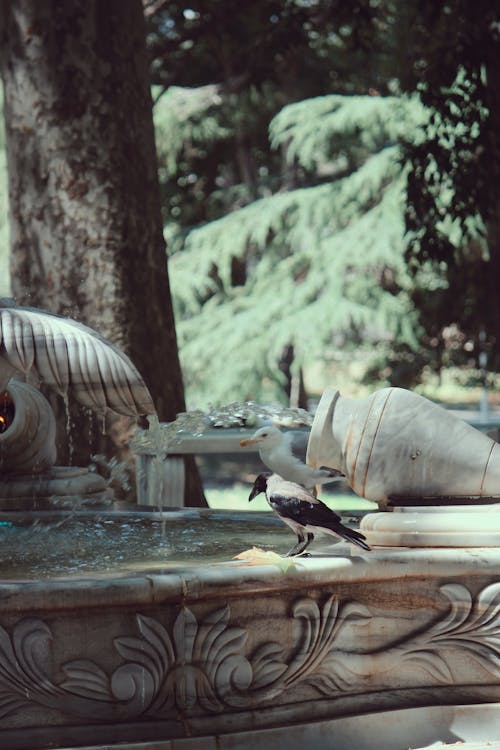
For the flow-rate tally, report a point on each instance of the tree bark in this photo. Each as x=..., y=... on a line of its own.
x=294, y=386
x=85, y=218
x=492, y=180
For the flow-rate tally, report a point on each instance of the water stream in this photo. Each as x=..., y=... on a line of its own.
x=163, y=435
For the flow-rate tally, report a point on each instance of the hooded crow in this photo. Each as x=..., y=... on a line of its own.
x=303, y=512
x=275, y=450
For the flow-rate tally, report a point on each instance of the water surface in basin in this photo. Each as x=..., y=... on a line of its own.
x=52, y=545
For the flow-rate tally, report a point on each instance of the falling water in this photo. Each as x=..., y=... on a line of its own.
x=158, y=442
x=69, y=434
x=159, y=457
x=194, y=423
x=83, y=542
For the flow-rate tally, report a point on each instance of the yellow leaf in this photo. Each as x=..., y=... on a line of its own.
x=257, y=556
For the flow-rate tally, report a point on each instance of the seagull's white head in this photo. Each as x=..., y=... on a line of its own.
x=265, y=437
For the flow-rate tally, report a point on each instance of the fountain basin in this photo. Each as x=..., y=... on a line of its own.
x=229, y=654
x=52, y=545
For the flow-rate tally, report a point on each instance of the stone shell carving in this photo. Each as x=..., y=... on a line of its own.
x=70, y=357
x=29, y=443
x=203, y=664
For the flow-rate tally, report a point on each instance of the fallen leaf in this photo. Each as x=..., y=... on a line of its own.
x=257, y=556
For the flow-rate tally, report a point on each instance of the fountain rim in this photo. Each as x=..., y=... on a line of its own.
x=340, y=564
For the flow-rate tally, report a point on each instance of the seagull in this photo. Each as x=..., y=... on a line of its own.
x=303, y=512
x=275, y=450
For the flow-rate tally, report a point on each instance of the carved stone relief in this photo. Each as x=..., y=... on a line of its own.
x=203, y=664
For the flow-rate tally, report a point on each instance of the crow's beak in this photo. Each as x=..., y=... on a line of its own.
x=253, y=494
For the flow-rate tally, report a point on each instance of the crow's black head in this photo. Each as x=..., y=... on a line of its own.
x=260, y=485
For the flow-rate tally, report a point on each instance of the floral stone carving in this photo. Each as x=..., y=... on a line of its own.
x=203, y=664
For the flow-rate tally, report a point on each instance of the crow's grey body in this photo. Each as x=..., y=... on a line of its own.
x=302, y=511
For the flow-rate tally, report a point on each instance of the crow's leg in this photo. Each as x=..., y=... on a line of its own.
x=301, y=544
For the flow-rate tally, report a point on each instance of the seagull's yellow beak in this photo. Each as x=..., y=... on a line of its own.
x=249, y=441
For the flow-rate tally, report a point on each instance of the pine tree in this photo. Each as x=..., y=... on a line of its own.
x=239, y=66
x=324, y=264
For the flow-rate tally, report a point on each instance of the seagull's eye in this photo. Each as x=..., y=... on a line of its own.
x=265, y=434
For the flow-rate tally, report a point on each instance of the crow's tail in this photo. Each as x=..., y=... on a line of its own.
x=351, y=535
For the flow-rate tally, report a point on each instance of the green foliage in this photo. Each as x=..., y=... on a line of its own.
x=444, y=211
x=212, y=149
x=324, y=264
x=185, y=118
x=453, y=211
x=267, y=227
x=291, y=43
x=370, y=121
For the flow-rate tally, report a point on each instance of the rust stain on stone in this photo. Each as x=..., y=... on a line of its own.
x=481, y=491
x=365, y=477
x=355, y=462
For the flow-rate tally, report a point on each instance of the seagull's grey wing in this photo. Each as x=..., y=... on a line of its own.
x=297, y=442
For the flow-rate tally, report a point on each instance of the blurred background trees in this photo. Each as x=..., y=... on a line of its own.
x=453, y=208
x=329, y=177
x=322, y=202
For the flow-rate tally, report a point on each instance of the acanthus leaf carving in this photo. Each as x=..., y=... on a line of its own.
x=471, y=626
x=85, y=678
x=202, y=664
x=199, y=665
x=268, y=665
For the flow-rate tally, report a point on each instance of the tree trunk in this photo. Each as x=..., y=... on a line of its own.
x=492, y=57
x=86, y=228
x=294, y=386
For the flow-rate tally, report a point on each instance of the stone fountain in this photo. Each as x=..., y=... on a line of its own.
x=393, y=648
x=73, y=360
x=440, y=475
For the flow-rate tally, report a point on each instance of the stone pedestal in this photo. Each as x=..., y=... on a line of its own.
x=57, y=488
x=435, y=526
x=28, y=478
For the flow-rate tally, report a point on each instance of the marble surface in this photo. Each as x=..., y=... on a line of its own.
x=28, y=445
x=463, y=727
x=71, y=358
x=452, y=526
x=395, y=443
x=232, y=650
x=58, y=487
